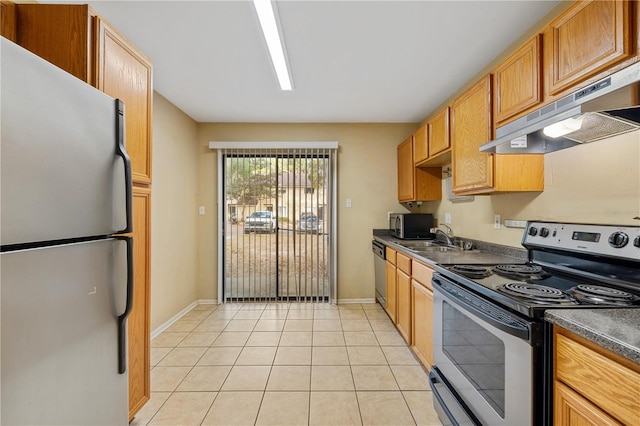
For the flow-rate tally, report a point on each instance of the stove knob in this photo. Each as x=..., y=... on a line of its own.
x=636, y=241
x=618, y=239
x=544, y=232
x=533, y=231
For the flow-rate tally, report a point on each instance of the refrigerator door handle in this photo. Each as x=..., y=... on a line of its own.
x=121, y=151
x=122, y=319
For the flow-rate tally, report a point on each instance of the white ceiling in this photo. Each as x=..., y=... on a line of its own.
x=351, y=61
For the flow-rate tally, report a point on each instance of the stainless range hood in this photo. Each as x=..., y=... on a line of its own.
x=607, y=108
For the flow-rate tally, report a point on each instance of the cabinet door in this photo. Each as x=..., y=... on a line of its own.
x=420, y=145
x=403, y=313
x=123, y=72
x=8, y=20
x=391, y=291
x=139, y=333
x=422, y=323
x=588, y=38
x=60, y=34
x=439, y=141
x=572, y=409
x=470, y=128
x=518, y=82
x=405, y=170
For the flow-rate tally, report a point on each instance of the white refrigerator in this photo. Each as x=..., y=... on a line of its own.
x=65, y=279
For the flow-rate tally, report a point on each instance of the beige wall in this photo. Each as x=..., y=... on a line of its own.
x=174, y=212
x=366, y=174
x=593, y=183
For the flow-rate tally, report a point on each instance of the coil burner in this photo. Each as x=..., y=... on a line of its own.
x=521, y=272
x=536, y=293
x=595, y=294
x=471, y=271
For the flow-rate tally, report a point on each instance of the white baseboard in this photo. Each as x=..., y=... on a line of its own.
x=172, y=320
x=362, y=300
x=207, y=301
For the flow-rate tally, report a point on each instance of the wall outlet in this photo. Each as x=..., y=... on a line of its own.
x=349, y=202
x=447, y=218
x=201, y=210
x=496, y=221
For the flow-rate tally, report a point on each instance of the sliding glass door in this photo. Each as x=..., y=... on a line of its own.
x=278, y=222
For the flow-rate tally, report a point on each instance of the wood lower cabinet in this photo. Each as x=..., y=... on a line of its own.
x=76, y=39
x=588, y=38
x=572, y=409
x=138, y=323
x=392, y=299
x=403, y=291
x=416, y=183
x=476, y=172
x=593, y=386
x=422, y=313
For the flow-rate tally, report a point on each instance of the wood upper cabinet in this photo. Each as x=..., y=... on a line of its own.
x=585, y=40
x=422, y=313
x=438, y=133
x=75, y=39
x=475, y=172
x=593, y=385
x=420, y=145
x=518, y=81
x=8, y=20
x=470, y=128
x=124, y=72
x=416, y=183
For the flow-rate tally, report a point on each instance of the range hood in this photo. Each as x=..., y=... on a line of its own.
x=607, y=108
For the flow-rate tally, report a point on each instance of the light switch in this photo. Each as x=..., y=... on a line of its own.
x=201, y=210
x=349, y=202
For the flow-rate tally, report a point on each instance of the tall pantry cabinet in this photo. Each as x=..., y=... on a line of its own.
x=76, y=39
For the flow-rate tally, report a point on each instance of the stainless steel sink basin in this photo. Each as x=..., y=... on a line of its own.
x=436, y=249
x=418, y=245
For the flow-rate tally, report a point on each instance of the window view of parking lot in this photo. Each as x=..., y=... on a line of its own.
x=277, y=222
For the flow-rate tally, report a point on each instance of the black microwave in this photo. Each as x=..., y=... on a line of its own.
x=411, y=225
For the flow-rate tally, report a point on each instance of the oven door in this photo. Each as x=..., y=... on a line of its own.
x=485, y=354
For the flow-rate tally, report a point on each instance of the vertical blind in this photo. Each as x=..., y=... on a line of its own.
x=278, y=239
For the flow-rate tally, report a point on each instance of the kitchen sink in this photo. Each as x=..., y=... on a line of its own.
x=419, y=245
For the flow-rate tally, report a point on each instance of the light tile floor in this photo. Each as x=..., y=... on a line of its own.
x=285, y=364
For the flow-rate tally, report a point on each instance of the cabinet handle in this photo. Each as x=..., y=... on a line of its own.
x=122, y=319
x=121, y=151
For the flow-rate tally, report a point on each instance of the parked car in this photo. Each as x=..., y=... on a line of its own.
x=309, y=223
x=260, y=221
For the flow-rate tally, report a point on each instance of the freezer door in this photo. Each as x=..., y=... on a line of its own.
x=59, y=320
x=61, y=174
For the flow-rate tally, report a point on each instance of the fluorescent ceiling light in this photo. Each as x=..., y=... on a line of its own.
x=272, y=37
x=563, y=127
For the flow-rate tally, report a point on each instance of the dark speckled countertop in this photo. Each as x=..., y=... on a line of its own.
x=615, y=329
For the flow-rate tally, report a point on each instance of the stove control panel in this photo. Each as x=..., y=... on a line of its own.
x=607, y=240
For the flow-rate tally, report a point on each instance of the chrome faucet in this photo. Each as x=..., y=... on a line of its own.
x=444, y=237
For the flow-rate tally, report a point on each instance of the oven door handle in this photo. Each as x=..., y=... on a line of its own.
x=484, y=310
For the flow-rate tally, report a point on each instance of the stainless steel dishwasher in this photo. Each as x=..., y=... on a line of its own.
x=379, y=257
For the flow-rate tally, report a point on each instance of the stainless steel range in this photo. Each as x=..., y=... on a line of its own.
x=492, y=348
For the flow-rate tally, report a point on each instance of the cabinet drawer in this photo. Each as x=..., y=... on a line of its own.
x=610, y=385
x=390, y=255
x=403, y=263
x=422, y=274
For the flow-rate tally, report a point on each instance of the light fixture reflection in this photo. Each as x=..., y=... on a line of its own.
x=563, y=127
x=272, y=37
